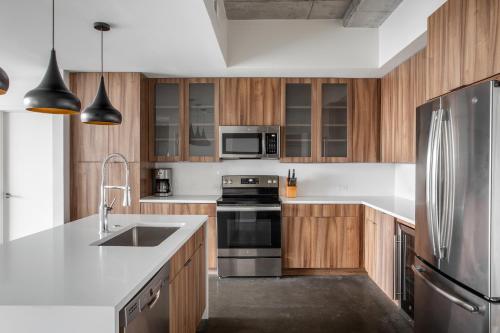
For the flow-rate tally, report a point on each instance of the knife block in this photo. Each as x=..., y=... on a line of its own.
x=290, y=191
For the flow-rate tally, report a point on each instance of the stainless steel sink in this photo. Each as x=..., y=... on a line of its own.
x=141, y=236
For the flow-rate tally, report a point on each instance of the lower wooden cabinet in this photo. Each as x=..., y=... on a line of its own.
x=379, y=231
x=188, y=288
x=190, y=209
x=321, y=236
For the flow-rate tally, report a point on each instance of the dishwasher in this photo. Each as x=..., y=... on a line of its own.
x=148, y=311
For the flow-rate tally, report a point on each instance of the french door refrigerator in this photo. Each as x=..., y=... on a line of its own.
x=457, y=267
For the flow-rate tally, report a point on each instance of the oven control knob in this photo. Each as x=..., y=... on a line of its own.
x=274, y=181
x=269, y=181
x=229, y=181
x=225, y=181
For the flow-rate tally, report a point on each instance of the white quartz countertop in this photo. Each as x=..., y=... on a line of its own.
x=200, y=199
x=400, y=208
x=60, y=268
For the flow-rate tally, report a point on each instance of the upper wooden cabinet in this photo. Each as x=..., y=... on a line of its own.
x=250, y=101
x=202, y=120
x=298, y=120
x=402, y=92
x=334, y=127
x=89, y=143
x=366, y=121
x=166, y=119
x=128, y=93
x=463, y=43
x=330, y=120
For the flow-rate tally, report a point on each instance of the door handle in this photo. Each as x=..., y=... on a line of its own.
x=454, y=299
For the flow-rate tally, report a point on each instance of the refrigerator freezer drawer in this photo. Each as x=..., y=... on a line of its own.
x=443, y=306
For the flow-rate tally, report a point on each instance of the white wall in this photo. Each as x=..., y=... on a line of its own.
x=405, y=25
x=301, y=48
x=404, y=181
x=313, y=179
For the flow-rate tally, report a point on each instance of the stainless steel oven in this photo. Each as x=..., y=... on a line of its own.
x=249, y=227
x=249, y=142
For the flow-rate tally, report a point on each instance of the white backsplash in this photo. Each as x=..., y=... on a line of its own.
x=404, y=181
x=313, y=179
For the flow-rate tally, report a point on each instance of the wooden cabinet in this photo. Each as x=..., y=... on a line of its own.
x=166, y=119
x=90, y=144
x=366, y=121
x=298, y=118
x=321, y=237
x=402, y=92
x=250, y=101
x=188, y=286
x=202, y=120
x=462, y=45
x=334, y=120
x=379, y=231
x=191, y=209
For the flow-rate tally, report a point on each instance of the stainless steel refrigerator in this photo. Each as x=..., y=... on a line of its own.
x=457, y=269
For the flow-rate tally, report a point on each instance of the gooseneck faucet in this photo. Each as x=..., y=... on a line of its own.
x=104, y=208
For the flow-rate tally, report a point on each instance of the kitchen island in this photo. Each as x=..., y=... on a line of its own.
x=57, y=281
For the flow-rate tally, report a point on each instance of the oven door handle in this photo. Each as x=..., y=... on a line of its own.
x=248, y=209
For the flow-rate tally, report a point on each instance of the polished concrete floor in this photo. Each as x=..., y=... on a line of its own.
x=301, y=304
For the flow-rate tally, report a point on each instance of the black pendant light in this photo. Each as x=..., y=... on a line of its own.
x=4, y=82
x=101, y=111
x=52, y=95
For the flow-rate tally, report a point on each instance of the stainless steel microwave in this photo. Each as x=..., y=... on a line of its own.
x=249, y=142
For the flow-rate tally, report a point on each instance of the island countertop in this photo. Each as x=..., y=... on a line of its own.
x=59, y=270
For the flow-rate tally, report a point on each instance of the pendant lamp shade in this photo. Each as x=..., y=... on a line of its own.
x=101, y=111
x=52, y=95
x=4, y=82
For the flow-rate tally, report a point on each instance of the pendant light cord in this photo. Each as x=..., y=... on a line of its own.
x=102, y=53
x=53, y=24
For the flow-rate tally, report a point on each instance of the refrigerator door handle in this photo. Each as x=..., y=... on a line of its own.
x=454, y=299
x=431, y=181
x=449, y=186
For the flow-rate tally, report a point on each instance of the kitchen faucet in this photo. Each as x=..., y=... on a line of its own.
x=104, y=208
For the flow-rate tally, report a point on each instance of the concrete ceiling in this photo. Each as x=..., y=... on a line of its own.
x=355, y=13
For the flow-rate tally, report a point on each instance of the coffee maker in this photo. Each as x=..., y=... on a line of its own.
x=162, y=182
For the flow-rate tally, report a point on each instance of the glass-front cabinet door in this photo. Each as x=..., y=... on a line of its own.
x=297, y=120
x=201, y=130
x=334, y=120
x=166, y=118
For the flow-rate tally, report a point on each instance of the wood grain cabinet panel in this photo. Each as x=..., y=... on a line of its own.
x=85, y=195
x=321, y=237
x=117, y=177
x=124, y=90
x=366, y=120
x=402, y=92
x=265, y=99
x=379, y=231
x=436, y=48
x=89, y=143
x=187, y=288
x=235, y=101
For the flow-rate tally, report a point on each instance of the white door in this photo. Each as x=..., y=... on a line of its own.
x=28, y=173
